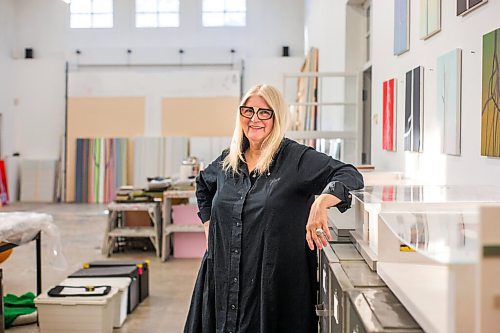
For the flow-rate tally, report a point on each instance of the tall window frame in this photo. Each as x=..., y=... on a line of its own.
x=91, y=14
x=224, y=13
x=157, y=13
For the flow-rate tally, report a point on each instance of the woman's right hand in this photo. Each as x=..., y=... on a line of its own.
x=206, y=226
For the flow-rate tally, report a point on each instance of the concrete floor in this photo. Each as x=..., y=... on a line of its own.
x=82, y=228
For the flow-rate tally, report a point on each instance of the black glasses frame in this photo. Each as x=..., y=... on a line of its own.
x=259, y=112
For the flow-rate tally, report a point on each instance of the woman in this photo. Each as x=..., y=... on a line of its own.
x=257, y=202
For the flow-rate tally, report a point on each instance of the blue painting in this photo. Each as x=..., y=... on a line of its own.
x=401, y=26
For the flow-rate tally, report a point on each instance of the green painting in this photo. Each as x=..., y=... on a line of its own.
x=490, y=113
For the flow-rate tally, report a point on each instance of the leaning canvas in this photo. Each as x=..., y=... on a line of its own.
x=401, y=26
x=389, y=115
x=490, y=112
x=449, y=70
x=414, y=115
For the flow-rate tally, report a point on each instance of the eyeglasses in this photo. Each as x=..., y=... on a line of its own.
x=262, y=114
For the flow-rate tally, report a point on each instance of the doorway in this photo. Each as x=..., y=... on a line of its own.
x=367, y=116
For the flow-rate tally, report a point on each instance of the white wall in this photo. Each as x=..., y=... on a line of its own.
x=325, y=28
x=155, y=86
x=44, y=26
x=270, y=71
x=355, y=50
x=6, y=75
x=457, y=32
x=39, y=108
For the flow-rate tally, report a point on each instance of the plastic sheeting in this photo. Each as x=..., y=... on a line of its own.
x=22, y=227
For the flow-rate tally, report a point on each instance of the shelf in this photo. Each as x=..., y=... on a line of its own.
x=321, y=74
x=298, y=135
x=133, y=232
x=172, y=228
x=132, y=206
x=324, y=104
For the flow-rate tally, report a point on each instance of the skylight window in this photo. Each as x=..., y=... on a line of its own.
x=91, y=14
x=224, y=13
x=156, y=13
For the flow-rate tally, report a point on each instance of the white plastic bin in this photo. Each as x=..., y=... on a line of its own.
x=120, y=283
x=76, y=314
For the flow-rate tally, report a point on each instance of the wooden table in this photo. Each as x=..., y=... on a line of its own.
x=115, y=230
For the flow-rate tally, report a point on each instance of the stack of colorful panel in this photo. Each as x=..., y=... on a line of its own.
x=101, y=168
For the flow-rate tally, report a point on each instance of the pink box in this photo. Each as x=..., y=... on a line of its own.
x=189, y=244
x=185, y=214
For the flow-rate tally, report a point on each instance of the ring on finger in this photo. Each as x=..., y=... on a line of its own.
x=319, y=232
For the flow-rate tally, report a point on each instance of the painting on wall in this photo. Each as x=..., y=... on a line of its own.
x=449, y=72
x=466, y=6
x=430, y=18
x=389, y=115
x=401, y=26
x=414, y=115
x=490, y=113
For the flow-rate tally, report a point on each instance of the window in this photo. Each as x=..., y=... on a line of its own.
x=219, y=13
x=91, y=14
x=156, y=13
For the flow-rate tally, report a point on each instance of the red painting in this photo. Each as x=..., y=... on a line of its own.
x=4, y=192
x=388, y=119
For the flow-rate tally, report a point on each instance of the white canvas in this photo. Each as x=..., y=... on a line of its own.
x=449, y=100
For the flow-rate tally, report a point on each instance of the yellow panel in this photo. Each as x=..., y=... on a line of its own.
x=199, y=116
x=106, y=117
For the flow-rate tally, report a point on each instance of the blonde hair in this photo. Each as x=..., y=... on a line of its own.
x=271, y=143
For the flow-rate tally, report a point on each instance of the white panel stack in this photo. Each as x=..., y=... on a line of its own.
x=208, y=148
x=38, y=179
x=149, y=159
x=158, y=157
x=176, y=152
x=12, y=169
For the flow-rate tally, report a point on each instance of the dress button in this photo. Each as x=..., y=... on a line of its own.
x=235, y=279
x=236, y=251
x=237, y=224
x=241, y=198
x=233, y=307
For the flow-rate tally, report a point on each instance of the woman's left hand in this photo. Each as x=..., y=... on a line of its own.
x=317, y=231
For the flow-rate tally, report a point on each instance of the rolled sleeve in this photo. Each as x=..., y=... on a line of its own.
x=320, y=173
x=340, y=191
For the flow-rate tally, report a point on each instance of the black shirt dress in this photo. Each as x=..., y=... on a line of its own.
x=258, y=275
